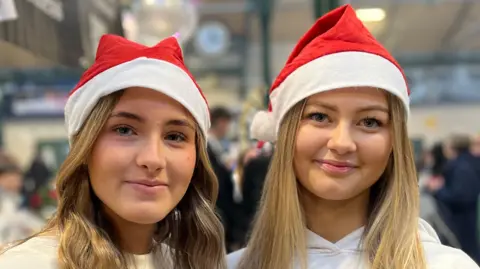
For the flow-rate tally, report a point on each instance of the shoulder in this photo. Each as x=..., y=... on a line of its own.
x=34, y=253
x=439, y=256
x=443, y=257
x=234, y=258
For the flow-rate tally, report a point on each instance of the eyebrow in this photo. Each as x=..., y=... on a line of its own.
x=132, y=116
x=362, y=109
x=181, y=123
x=127, y=115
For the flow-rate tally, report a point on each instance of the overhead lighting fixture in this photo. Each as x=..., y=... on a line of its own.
x=371, y=14
x=149, y=2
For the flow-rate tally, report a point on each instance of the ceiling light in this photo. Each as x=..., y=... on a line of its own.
x=149, y=2
x=371, y=14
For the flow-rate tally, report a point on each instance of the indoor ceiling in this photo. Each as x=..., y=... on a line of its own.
x=410, y=26
x=411, y=29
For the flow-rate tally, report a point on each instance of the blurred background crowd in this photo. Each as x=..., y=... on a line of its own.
x=235, y=48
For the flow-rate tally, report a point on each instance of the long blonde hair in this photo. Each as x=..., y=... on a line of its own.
x=278, y=237
x=193, y=232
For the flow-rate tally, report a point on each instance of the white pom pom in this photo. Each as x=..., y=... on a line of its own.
x=263, y=127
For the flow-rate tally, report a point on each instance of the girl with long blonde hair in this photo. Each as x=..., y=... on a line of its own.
x=137, y=189
x=341, y=191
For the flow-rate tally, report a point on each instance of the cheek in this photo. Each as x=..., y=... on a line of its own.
x=106, y=165
x=375, y=153
x=308, y=143
x=180, y=168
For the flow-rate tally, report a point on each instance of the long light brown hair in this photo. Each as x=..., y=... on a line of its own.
x=391, y=237
x=193, y=232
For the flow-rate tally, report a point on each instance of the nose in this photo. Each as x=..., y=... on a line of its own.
x=151, y=155
x=341, y=140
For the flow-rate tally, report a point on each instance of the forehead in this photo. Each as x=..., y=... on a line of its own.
x=353, y=96
x=151, y=103
x=147, y=96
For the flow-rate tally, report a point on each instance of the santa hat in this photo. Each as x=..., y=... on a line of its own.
x=120, y=64
x=337, y=52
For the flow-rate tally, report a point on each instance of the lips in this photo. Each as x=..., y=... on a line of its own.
x=147, y=188
x=336, y=168
x=147, y=183
x=338, y=163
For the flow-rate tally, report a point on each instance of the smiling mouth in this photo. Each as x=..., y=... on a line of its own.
x=147, y=183
x=147, y=189
x=336, y=168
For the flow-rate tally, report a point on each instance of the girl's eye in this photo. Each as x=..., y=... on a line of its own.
x=320, y=117
x=176, y=137
x=371, y=123
x=124, y=131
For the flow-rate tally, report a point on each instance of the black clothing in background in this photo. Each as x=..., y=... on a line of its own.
x=254, y=175
x=439, y=159
x=37, y=177
x=459, y=196
x=225, y=203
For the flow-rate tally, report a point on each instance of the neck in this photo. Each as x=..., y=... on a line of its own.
x=132, y=237
x=333, y=220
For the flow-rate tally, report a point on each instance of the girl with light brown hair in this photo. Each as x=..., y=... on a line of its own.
x=137, y=189
x=341, y=191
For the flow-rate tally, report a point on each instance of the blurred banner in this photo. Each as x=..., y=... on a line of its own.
x=444, y=84
x=40, y=93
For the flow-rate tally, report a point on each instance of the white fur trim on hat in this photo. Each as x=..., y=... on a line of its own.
x=263, y=126
x=335, y=71
x=155, y=74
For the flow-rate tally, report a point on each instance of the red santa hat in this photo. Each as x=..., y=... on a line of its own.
x=337, y=52
x=120, y=64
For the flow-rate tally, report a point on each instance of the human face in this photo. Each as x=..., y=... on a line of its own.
x=343, y=142
x=222, y=127
x=448, y=150
x=476, y=146
x=143, y=161
x=11, y=182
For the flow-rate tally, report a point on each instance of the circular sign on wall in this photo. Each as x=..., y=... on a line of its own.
x=212, y=38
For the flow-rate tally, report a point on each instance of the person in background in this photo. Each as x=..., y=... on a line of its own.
x=38, y=176
x=221, y=118
x=475, y=149
x=15, y=223
x=254, y=174
x=238, y=233
x=11, y=179
x=432, y=210
x=438, y=160
x=238, y=174
x=458, y=191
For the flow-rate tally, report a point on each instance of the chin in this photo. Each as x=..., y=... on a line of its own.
x=144, y=215
x=334, y=195
x=333, y=192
